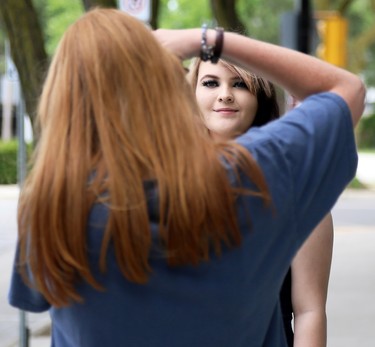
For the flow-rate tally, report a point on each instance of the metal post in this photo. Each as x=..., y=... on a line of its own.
x=24, y=330
x=22, y=157
x=21, y=174
x=304, y=26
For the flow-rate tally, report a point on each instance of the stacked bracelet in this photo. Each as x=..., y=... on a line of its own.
x=212, y=53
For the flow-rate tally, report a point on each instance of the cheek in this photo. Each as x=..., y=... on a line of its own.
x=204, y=100
x=251, y=107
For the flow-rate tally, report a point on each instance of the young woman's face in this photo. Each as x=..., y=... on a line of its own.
x=227, y=105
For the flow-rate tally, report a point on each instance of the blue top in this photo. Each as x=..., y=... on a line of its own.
x=308, y=157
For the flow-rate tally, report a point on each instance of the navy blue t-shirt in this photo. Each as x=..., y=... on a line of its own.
x=308, y=157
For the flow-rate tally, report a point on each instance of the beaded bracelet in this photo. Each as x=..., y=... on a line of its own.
x=212, y=53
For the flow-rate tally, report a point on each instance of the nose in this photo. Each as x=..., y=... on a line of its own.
x=226, y=96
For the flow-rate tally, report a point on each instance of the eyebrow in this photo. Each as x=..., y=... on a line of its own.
x=208, y=76
x=236, y=78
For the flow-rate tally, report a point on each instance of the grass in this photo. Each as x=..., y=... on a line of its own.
x=357, y=184
x=367, y=150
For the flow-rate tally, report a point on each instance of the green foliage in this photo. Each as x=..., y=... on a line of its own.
x=356, y=184
x=361, y=17
x=366, y=133
x=55, y=17
x=178, y=14
x=8, y=161
x=2, y=48
x=262, y=17
x=362, y=39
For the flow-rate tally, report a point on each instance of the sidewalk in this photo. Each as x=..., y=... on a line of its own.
x=366, y=169
x=350, y=306
x=9, y=316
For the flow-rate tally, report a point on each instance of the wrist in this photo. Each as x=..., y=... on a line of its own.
x=211, y=44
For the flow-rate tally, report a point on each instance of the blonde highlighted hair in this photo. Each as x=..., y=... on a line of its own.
x=268, y=107
x=116, y=110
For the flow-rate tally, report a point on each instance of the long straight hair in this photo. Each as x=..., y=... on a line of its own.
x=116, y=110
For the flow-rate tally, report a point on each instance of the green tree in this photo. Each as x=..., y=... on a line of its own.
x=27, y=45
x=2, y=39
x=35, y=26
x=226, y=14
x=55, y=16
x=262, y=17
x=179, y=14
x=361, y=41
x=27, y=41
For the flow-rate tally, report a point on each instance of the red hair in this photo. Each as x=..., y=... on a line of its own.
x=115, y=111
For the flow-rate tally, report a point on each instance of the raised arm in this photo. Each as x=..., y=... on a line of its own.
x=300, y=74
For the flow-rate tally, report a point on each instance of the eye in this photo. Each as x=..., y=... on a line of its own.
x=240, y=84
x=210, y=83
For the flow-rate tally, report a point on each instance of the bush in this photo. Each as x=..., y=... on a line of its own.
x=366, y=133
x=8, y=162
x=357, y=184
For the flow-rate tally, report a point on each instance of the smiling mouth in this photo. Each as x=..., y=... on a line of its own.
x=226, y=111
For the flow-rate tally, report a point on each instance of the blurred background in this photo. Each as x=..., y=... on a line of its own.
x=341, y=32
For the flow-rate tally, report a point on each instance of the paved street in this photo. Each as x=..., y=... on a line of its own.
x=351, y=305
x=350, y=308
x=9, y=317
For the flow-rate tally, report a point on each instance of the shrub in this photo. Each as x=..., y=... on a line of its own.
x=366, y=133
x=357, y=184
x=8, y=162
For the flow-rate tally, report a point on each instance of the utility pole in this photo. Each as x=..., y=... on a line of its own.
x=298, y=29
x=304, y=26
x=298, y=32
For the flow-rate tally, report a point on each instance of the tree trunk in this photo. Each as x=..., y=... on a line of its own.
x=225, y=13
x=155, y=5
x=321, y=5
x=27, y=45
x=87, y=4
x=27, y=48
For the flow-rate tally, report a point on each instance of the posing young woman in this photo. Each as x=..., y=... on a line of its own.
x=135, y=228
x=232, y=100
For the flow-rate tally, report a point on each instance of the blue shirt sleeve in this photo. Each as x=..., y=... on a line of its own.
x=23, y=296
x=308, y=157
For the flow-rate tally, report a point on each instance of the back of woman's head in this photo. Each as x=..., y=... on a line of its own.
x=111, y=79
x=268, y=108
x=116, y=110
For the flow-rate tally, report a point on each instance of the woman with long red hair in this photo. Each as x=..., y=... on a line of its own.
x=136, y=229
